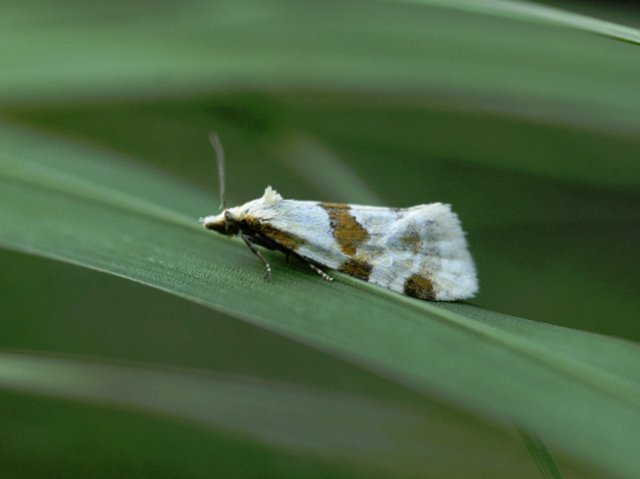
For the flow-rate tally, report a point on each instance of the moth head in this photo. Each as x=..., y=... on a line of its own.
x=225, y=223
x=229, y=221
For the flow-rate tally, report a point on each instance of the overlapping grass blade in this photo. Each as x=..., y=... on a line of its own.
x=355, y=430
x=123, y=50
x=534, y=12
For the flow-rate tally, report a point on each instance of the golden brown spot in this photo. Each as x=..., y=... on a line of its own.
x=419, y=287
x=412, y=241
x=348, y=233
x=356, y=268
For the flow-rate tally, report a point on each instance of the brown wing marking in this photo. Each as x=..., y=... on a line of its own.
x=419, y=287
x=348, y=233
x=287, y=240
x=412, y=241
x=356, y=268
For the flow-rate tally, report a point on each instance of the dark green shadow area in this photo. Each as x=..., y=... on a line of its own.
x=55, y=438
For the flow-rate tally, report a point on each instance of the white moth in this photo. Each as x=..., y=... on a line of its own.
x=419, y=251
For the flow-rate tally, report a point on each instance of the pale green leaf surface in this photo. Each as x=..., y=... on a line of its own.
x=65, y=211
x=124, y=49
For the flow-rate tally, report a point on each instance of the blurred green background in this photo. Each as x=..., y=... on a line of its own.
x=531, y=132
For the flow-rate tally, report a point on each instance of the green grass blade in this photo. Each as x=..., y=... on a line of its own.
x=533, y=12
x=553, y=206
x=483, y=362
x=519, y=67
x=343, y=428
x=546, y=464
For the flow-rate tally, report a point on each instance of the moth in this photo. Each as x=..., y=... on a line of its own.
x=419, y=251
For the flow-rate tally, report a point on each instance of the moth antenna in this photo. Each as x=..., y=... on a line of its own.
x=217, y=147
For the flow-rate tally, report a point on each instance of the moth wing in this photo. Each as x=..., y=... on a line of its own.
x=420, y=251
x=304, y=228
x=423, y=252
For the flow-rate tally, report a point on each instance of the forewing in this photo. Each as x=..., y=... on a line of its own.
x=423, y=252
x=419, y=251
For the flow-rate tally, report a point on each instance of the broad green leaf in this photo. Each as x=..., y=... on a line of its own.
x=552, y=198
x=121, y=220
x=61, y=51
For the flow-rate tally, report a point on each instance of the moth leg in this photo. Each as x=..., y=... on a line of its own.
x=320, y=272
x=267, y=274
